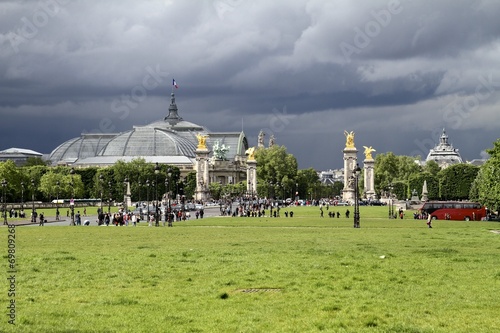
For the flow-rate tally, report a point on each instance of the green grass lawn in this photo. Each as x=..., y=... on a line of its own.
x=300, y=274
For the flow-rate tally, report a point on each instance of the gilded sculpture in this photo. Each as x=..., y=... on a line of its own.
x=368, y=152
x=251, y=153
x=349, y=142
x=202, y=141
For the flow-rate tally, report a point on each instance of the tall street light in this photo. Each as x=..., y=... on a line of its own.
x=101, y=189
x=33, y=218
x=110, y=197
x=125, y=201
x=4, y=202
x=147, y=197
x=22, y=198
x=58, y=184
x=167, y=188
x=357, y=172
x=72, y=201
x=139, y=185
x=391, y=212
x=157, y=209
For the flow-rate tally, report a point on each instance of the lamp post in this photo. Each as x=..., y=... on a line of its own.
x=167, y=188
x=139, y=184
x=391, y=213
x=125, y=204
x=110, y=197
x=58, y=184
x=33, y=218
x=157, y=209
x=357, y=172
x=4, y=202
x=147, y=197
x=101, y=188
x=72, y=201
x=22, y=199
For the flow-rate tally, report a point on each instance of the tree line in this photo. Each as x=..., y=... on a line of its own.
x=277, y=174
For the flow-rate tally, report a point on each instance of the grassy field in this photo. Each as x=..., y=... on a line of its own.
x=300, y=274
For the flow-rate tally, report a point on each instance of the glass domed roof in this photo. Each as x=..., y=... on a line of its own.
x=149, y=141
x=87, y=145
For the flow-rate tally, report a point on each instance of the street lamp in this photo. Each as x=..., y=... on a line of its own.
x=110, y=197
x=22, y=199
x=101, y=188
x=4, y=202
x=125, y=201
x=139, y=184
x=33, y=218
x=391, y=212
x=357, y=172
x=58, y=184
x=157, y=215
x=72, y=202
x=167, y=181
x=147, y=197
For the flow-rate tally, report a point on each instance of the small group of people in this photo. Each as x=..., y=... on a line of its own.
x=14, y=214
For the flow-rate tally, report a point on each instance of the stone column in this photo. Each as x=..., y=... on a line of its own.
x=369, y=178
x=202, y=176
x=350, y=161
x=251, y=176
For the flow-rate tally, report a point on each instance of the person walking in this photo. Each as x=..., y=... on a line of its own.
x=429, y=221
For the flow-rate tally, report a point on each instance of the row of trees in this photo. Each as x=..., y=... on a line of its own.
x=401, y=176
x=277, y=174
x=46, y=183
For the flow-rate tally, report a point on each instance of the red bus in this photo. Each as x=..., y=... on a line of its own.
x=454, y=210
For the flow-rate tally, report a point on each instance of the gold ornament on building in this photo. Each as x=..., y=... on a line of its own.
x=202, y=141
x=368, y=152
x=349, y=139
x=251, y=153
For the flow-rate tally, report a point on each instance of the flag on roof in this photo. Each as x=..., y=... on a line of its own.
x=174, y=83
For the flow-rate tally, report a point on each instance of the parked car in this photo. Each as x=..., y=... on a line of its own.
x=493, y=218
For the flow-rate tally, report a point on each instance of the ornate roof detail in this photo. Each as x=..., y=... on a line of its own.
x=444, y=153
x=173, y=115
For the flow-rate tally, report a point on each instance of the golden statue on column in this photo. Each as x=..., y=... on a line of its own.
x=349, y=139
x=368, y=152
x=202, y=141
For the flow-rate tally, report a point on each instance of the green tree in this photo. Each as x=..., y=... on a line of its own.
x=10, y=172
x=276, y=170
x=486, y=186
x=455, y=182
x=32, y=161
x=308, y=181
x=432, y=167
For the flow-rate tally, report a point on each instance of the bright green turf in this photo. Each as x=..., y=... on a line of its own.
x=387, y=276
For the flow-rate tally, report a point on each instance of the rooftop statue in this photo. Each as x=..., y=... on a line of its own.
x=349, y=142
x=202, y=141
x=220, y=150
x=272, y=141
x=251, y=153
x=368, y=152
x=260, y=140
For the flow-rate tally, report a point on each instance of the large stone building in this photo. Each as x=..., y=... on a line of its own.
x=444, y=154
x=171, y=140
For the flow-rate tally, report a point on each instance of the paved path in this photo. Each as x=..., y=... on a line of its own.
x=65, y=221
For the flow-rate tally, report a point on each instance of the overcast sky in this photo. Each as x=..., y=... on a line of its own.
x=394, y=72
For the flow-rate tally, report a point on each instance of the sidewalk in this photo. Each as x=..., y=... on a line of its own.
x=28, y=222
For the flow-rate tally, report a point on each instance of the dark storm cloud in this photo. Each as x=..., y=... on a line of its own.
x=304, y=70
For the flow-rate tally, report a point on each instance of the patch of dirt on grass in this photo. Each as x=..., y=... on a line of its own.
x=495, y=231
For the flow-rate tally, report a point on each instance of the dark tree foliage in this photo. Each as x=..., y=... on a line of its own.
x=455, y=181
